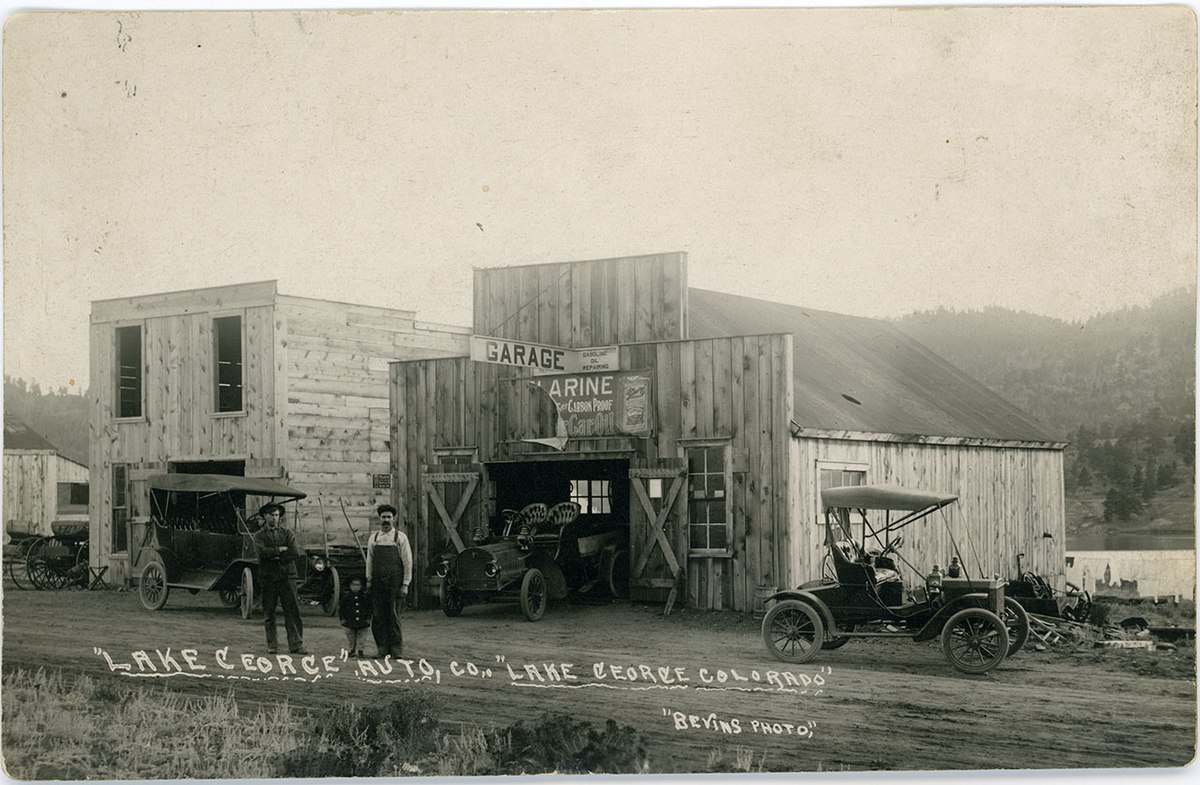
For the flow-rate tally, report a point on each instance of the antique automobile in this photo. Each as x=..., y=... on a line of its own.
x=865, y=596
x=199, y=538
x=539, y=554
x=330, y=567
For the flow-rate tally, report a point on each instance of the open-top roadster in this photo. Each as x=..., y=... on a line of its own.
x=539, y=554
x=865, y=595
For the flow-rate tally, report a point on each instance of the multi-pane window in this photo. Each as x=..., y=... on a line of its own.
x=708, y=508
x=120, y=507
x=592, y=496
x=839, y=476
x=227, y=337
x=129, y=371
x=72, y=497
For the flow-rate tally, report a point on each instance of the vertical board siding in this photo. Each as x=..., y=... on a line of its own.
x=1007, y=499
x=736, y=389
x=596, y=303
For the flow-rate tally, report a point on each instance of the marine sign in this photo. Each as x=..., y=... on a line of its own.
x=601, y=404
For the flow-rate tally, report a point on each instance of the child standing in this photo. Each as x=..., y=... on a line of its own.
x=355, y=613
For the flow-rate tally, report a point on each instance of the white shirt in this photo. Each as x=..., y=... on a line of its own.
x=396, y=538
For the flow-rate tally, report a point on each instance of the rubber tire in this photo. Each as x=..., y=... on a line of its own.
x=1016, y=620
x=450, y=598
x=247, y=596
x=799, y=614
x=533, y=595
x=152, y=586
x=330, y=606
x=968, y=617
x=835, y=643
x=617, y=575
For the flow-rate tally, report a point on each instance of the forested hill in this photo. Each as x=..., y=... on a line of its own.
x=1121, y=387
x=60, y=416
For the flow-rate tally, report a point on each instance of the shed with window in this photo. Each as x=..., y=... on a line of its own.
x=706, y=423
x=41, y=485
x=244, y=380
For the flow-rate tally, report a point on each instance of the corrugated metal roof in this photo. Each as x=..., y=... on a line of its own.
x=19, y=436
x=859, y=374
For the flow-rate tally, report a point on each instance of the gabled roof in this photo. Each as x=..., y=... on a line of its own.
x=19, y=436
x=864, y=375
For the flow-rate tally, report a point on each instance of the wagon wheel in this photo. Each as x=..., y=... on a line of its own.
x=230, y=598
x=80, y=573
x=37, y=567
x=19, y=573
x=975, y=640
x=533, y=595
x=247, y=593
x=450, y=597
x=1016, y=621
x=330, y=605
x=792, y=631
x=617, y=574
x=153, y=588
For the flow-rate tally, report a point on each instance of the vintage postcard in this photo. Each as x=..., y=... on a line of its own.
x=468, y=393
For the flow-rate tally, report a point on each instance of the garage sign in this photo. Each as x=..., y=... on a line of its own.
x=541, y=358
x=601, y=404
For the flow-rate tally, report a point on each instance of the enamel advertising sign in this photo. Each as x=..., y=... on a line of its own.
x=601, y=404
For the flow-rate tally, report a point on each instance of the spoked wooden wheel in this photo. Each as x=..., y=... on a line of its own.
x=153, y=588
x=247, y=598
x=1016, y=621
x=451, y=598
x=533, y=595
x=330, y=605
x=792, y=631
x=18, y=572
x=617, y=575
x=975, y=640
x=230, y=598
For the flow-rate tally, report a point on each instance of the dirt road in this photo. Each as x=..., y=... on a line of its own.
x=870, y=705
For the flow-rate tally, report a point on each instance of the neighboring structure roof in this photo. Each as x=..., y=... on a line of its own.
x=19, y=436
x=864, y=375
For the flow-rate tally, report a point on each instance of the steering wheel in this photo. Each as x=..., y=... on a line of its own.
x=893, y=546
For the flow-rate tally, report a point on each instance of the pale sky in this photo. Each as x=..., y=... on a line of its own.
x=872, y=161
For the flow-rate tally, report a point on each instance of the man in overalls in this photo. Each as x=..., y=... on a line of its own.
x=277, y=554
x=389, y=571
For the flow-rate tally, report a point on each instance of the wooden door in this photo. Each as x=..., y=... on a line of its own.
x=657, y=540
x=451, y=510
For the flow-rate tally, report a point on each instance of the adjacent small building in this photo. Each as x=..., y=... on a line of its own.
x=707, y=423
x=244, y=380
x=41, y=486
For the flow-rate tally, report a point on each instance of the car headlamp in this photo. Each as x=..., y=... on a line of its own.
x=442, y=569
x=319, y=564
x=491, y=569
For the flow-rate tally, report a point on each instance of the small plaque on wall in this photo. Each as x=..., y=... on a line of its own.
x=381, y=481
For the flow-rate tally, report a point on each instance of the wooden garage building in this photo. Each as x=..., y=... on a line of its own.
x=244, y=380
x=41, y=485
x=710, y=418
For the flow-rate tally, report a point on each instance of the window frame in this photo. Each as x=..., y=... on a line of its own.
x=606, y=495
x=141, y=369
x=468, y=452
x=113, y=507
x=216, y=364
x=726, y=446
x=845, y=466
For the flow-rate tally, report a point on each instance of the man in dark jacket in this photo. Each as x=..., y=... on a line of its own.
x=277, y=554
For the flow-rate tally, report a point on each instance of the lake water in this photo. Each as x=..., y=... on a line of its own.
x=1132, y=542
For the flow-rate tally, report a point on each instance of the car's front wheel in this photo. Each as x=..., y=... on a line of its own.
x=533, y=595
x=451, y=598
x=792, y=631
x=975, y=640
x=1016, y=621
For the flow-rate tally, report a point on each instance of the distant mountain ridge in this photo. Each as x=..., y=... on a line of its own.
x=1111, y=368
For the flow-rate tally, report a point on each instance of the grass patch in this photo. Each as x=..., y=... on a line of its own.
x=58, y=728
x=86, y=729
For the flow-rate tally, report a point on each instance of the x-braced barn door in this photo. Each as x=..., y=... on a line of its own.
x=446, y=491
x=656, y=537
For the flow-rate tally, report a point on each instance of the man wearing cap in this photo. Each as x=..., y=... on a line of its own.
x=389, y=571
x=277, y=554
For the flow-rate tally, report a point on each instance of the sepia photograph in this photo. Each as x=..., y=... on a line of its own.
x=467, y=393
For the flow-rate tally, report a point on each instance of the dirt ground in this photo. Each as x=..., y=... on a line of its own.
x=870, y=705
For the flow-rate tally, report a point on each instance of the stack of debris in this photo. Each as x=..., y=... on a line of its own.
x=1132, y=633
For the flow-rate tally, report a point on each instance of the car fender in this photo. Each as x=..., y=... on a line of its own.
x=807, y=596
x=933, y=627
